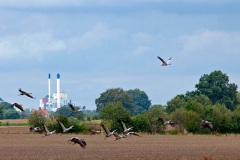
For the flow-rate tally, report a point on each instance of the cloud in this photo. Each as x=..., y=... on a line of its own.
x=99, y=35
x=37, y=45
x=209, y=45
x=29, y=45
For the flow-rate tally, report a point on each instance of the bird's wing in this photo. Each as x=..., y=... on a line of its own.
x=72, y=107
x=62, y=126
x=46, y=129
x=18, y=106
x=162, y=120
x=105, y=129
x=123, y=125
x=169, y=60
x=116, y=135
x=161, y=60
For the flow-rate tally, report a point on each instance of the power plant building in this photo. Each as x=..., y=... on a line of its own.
x=56, y=100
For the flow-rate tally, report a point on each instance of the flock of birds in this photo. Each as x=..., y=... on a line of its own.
x=76, y=140
x=126, y=131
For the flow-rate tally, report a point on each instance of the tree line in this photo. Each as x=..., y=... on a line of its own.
x=215, y=100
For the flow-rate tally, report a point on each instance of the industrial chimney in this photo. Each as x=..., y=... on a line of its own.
x=49, y=91
x=58, y=90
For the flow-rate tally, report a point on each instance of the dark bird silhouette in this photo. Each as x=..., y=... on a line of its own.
x=64, y=129
x=74, y=109
x=25, y=93
x=108, y=133
x=165, y=63
x=18, y=106
x=132, y=133
x=93, y=132
x=48, y=133
x=119, y=136
x=35, y=129
x=125, y=129
x=79, y=141
x=165, y=122
x=207, y=124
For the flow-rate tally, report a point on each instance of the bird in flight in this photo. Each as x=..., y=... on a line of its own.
x=125, y=129
x=207, y=124
x=25, y=93
x=48, y=133
x=165, y=63
x=108, y=133
x=165, y=122
x=18, y=106
x=64, y=129
x=93, y=132
x=80, y=141
x=35, y=129
x=74, y=109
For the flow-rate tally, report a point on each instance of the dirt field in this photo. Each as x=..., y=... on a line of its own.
x=18, y=143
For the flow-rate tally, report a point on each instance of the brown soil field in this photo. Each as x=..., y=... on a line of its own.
x=18, y=143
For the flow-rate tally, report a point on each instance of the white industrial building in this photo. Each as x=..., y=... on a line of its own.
x=56, y=99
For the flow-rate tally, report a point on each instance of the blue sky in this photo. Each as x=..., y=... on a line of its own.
x=97, y=45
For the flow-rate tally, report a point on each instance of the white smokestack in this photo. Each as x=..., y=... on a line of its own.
x=58, y=90
x=49, y=90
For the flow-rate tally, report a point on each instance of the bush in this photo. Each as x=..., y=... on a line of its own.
x=36, y=119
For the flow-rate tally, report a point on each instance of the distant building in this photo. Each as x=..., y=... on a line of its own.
x=52, y=104
x=43, y=111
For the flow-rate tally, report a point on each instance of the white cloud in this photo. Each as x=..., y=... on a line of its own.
x=28, y=46
x=208, y=45
x=99, y=35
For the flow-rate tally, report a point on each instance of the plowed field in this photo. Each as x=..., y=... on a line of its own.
x=18, y=143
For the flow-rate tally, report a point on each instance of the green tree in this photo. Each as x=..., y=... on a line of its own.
x=175, y=103
x=115, y=95
x=179, y=117
x=217, y=88
x=152, y=115
x=192, y=105
x=140, y=100
x=64, y=110
x=36, y=119
x=113, y=112
x=140, y=123
x=192, y=121
x=221, y=118
x=11, y=114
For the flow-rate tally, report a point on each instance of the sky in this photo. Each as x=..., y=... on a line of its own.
x=98, y=45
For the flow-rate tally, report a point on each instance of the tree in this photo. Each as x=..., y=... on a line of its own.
x=217, y=88
x=175, y=103
x=140, y=100
x=114, y=95
x=5, y=105
x=192, y=121
x=152, y=115
x=11, y=114
x=113, y=112
x=36, y=119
